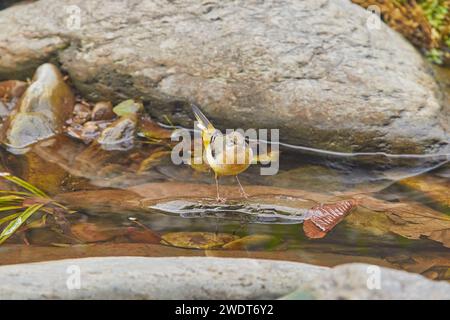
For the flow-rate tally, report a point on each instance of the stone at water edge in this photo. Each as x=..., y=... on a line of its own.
x=103, y=111
x=42, y=110
x=364, y=281
x=120, y=134
x=311, y=68
x=209, y=278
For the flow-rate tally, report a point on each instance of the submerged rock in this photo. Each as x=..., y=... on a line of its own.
x=102, y=201
x=252, y=211
x=81, y=113
x=313, y=69
x=253, y=242
x=90, y=232
x=87, y=132
x=103, y=111
x=42, y=110
x=364, y=281
x=120, y=134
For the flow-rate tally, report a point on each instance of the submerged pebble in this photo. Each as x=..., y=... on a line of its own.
x=82, y=113
x=102, y=111
x=120, y=134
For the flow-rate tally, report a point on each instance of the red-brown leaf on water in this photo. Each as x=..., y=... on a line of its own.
x=323, y=218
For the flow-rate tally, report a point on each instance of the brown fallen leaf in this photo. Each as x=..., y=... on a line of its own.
x=410, y=220
x=253, y=242
x=197, y=240
x=325, y=217
x=437, y=189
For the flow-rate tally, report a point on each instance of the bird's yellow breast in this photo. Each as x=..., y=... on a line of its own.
x=230, y=162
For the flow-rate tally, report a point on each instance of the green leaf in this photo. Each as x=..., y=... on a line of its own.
x=128, y=107
x=9, y=208
x=8, y=218
x=10, y=199
x=18, y=222
x=17, y=193
x=435, y=56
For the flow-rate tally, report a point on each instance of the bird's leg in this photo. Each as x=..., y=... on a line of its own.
x=241, y=189
x=219, y=199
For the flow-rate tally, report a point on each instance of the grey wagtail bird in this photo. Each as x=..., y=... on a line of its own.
x=227, y=155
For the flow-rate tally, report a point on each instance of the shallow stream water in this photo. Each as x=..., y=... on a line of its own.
x=116, y=213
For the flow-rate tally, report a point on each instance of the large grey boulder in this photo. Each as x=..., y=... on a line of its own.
x=363, y=281
x=314, y=68
x=208, y=278
x=154, y=278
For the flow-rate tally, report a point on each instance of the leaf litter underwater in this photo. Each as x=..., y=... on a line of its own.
x=396, y=215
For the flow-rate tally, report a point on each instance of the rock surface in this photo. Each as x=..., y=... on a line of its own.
x=311, y=68
x=41, y=111
x=120, y=134
x=205, y=278
x=352, y=281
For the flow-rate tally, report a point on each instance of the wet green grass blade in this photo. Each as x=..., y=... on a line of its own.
x=18, y=222
x=8, y=201
x=17, y=193
x=9, y=208
x=10, y=198
x=60, y=206
x=9, y=218
x=25, y=185
x=168, y=120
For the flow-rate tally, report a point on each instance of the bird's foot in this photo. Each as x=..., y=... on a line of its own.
x=244, y=195
x=221, y=200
